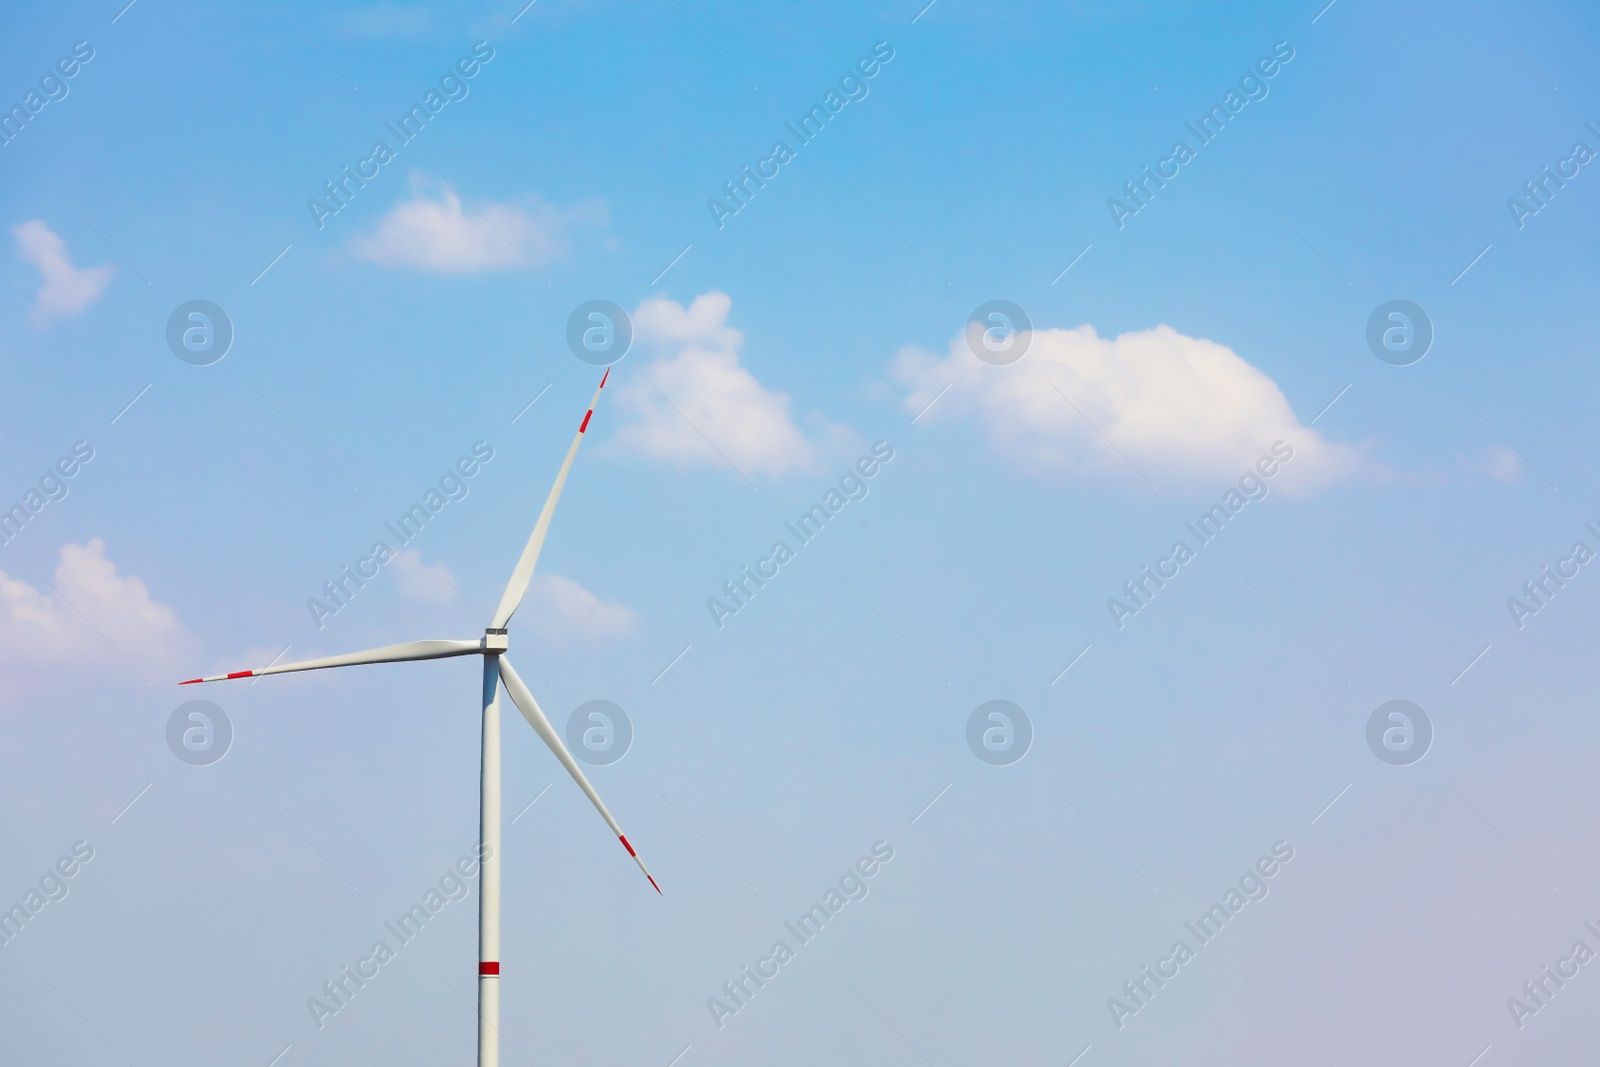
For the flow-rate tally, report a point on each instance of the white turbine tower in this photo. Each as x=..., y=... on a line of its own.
x=496, y=669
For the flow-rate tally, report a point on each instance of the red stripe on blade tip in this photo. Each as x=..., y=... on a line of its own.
x=586, y=415
x=627, y=846
x=489, y=970
x=657, y=888
x=191, y=681
x=604, y=376
x=241, y=674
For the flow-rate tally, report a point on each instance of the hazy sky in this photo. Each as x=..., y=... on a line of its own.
x=1285, y=413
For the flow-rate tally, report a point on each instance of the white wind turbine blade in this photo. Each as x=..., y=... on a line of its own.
x=523, y=699
x=517, y=587
x=411, y=650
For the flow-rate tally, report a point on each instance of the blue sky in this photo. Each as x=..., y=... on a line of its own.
x=771, y=353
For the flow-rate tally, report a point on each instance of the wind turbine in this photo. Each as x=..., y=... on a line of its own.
x=492, y=646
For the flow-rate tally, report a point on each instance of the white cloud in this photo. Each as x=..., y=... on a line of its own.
x=1186, y=412
x=429, y=583
x=448, y=237
x=561, y=610
x=66, y=291
x=386, y=21
x=253, y=659
x=699, y=407
x=38, y=628
x=1498, y=463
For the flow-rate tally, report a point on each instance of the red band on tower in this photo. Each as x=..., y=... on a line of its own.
x=489, y=970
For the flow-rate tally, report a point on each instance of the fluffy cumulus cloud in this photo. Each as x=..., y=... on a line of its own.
x=429, y=583
x=1497, y=463
x=560, y=610
x=91, y=616
x=66, y=291
x=557, y=609
x=697, y=405
x=1185, y=412
x=253, y=659
x=386, y=21
x=436, y=231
